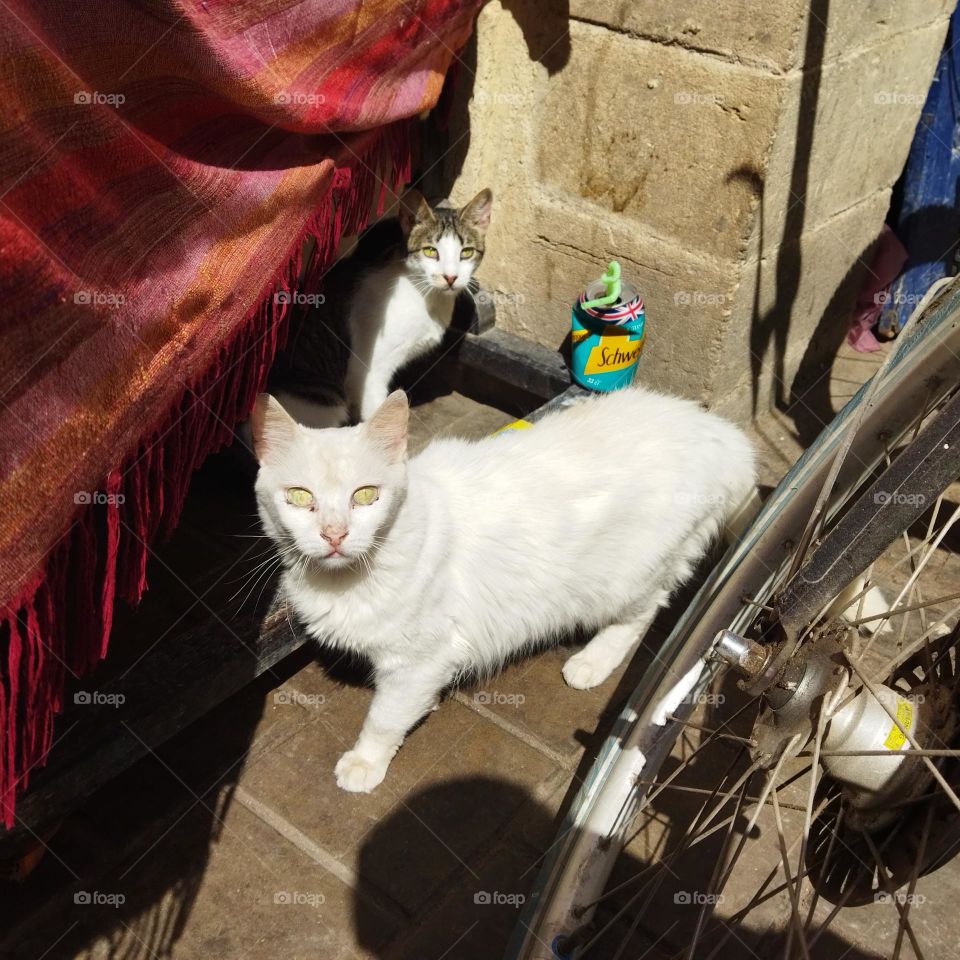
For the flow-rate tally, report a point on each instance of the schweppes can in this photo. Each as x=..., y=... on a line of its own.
x=607, y=333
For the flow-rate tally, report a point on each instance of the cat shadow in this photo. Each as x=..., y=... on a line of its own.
x=475, y=846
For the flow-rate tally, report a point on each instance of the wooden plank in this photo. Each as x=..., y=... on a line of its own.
x=499, y=368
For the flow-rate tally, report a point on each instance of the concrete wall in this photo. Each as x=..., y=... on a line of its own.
x=736, y=157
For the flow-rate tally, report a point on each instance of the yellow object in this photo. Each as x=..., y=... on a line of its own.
x=895, y=738
x=364, y=496
x=613, y=353
x=299, y=496
x=516, y=425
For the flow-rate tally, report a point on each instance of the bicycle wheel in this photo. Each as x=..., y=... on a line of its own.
x=732, y=849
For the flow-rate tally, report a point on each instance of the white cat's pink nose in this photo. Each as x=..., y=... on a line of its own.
x=450, y=278
x=334, y=535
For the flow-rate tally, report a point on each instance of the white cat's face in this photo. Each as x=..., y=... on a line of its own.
x=328, y=495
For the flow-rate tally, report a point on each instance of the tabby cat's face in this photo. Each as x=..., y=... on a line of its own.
x=445, y=245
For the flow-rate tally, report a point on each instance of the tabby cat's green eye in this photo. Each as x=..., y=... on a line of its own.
x=299, y=497
x=467, y=252
x=431, y=252
x=364, y=496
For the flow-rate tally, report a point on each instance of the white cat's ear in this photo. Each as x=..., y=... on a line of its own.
x=271, y=426
x=388, y=426
x=477, y=211
x=414, y=209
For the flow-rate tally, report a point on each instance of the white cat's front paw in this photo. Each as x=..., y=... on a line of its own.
x=357, y=774
x=582, y=671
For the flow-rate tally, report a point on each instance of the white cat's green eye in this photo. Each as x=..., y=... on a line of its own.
x=299, y=497
x=467, y=252
x=431, y=252
x=364, y=496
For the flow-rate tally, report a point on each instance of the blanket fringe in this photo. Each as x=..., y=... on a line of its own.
x=60, y=622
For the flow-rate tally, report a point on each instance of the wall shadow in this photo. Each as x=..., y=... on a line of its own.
x=773, y=327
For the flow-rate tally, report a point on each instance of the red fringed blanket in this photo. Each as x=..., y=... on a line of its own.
x=161, y=165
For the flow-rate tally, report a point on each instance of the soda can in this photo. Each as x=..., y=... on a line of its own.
x=606, y=341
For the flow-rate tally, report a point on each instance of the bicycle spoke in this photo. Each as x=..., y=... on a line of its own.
x=890, y=889
x=793, y=893
x=930, y=765
x=912, y=886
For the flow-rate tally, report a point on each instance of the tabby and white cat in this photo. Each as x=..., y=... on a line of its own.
x=401, y=310
x=449, y=563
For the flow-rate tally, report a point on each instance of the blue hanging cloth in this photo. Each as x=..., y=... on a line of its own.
x=928, y=223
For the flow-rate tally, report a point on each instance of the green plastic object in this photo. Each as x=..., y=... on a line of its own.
x=611, y=280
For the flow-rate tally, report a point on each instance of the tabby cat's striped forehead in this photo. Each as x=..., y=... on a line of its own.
x=446, y=222
x=426, y=226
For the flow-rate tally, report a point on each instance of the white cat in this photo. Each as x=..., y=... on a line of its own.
x=449, y=563
x=401, y=309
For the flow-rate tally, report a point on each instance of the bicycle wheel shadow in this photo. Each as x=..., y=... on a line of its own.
x=472, y=891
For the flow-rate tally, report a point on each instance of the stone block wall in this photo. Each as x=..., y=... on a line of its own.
x=737, y=158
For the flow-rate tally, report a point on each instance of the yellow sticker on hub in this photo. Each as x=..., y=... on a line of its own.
x=895, y=738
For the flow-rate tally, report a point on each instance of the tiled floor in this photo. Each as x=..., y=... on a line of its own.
x=233, y=840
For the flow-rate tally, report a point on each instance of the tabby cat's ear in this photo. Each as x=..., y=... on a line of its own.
x=477, y=211
x=271, y=426
x=388, y=426
x=414, y=209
